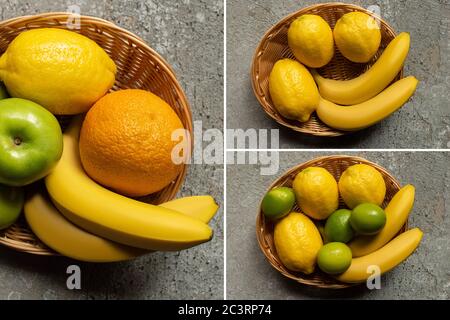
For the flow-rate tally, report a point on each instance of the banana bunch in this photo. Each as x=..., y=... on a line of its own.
x=370, y=112
x=358, y=103
x=385, y=250
x=85, y=221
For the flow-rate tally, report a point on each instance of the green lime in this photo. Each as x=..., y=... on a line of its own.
x=278, y=202
x=3, y=93
x=338, y=228
x=368, y=219
x=334, y=258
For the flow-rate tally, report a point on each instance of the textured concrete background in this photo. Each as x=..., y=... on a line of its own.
x=423, y=123
x=425, y=275
x=189, y=34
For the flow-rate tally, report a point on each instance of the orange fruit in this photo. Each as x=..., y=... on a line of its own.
x=126, y=142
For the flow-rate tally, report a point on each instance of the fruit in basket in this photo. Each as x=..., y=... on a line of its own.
x=66, y=238
x=366, y=114
x=311, y=40
x=50, y=226
x=293, y=90
x=278, y=202
x=386, y=258
x=357, y=36
x=3, y=93
x=30, y=142
x=11, y=204
x=61, y=70
x=397, y=212
x=361, y=183
x=334, y=258
x=203, y=208
x=338, y=227
x=115, y=217
x=370, y=83
x=368, y=219
x=316, y=192
x=297, y=242
x=126, y=142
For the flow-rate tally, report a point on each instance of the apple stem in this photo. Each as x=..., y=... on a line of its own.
x=17, y=141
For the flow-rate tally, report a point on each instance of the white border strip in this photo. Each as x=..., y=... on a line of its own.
x=225, y=151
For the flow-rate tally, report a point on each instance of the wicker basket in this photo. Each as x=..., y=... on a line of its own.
x=138, y=66
x=274, y=46
x=336, y=165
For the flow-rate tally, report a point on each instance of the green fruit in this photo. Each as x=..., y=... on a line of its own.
x=11, y=204
x=338, y=228
x=278, y=202
x=3, y=93
x=368, y=219
x=30, y=142
x=334, y=258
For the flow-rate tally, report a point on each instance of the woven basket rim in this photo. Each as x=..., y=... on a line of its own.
x=254, y=75
x=40, y=248
x=260, y=221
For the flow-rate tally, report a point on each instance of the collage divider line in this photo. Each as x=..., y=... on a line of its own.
x=225, y=152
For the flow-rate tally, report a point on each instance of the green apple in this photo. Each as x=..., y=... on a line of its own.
x=3, y=93
x=30, y=142
x=11, y=204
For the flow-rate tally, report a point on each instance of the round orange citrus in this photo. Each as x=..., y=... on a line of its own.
x=126, y=142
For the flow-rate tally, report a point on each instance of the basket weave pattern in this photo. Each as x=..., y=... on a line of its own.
x=138, y=67
x=274, y=46
x=336, y=165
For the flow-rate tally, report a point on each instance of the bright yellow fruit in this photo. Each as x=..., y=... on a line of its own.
x=61, y=70
x=203, y=208
x=370, y=83
x=58, y=233
x=61, y=235
x=362, y=183
x=357, y=36
x=293, y=90
x=311, y=40
x=316, y=192
x=386, y=258
x=397, y=213
x=366, y=114
x=298, y=242
x=115, y=217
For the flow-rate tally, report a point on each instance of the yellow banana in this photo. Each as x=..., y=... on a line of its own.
x=200, y=207
x=115, y=217
x=386, y=258
x=67, y=239
x=370, y=83
x=397, y=212
x=61, y=235
x=366, y=114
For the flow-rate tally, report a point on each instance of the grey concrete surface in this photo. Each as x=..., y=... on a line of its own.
x=425, y=275
x=189, y=34
x=423, y=123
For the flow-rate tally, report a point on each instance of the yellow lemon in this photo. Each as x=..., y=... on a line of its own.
x=297, y=242
x=357, y=36
x=362, y=183
x=311, y=40
x=316, y=192
x=61, y=70
x=293, y=90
